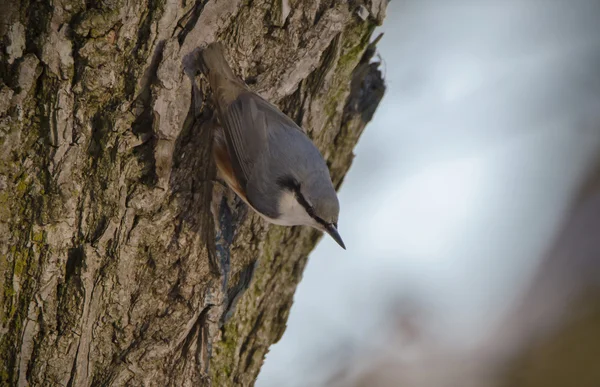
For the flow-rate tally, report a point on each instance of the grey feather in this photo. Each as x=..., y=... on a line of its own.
x=289, y=153
x=246, y=135
x=266, y=146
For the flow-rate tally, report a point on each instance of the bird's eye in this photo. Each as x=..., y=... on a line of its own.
x=289, y=182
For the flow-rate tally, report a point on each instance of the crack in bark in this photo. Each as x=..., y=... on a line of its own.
x=236, y=291
x=189, y=20
x=73, y=368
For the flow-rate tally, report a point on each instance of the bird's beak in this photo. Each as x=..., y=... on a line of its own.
x=331, y=230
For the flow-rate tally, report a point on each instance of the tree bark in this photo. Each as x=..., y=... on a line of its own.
x=121, y=262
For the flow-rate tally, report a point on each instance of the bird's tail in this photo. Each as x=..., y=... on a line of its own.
x=213, y=63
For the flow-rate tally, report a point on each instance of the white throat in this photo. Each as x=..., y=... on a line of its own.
x=292, y=212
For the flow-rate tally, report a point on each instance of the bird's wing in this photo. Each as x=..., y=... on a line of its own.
x=246, y=133
x=276, y=117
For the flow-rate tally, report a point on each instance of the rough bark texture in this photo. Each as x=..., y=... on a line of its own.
x=121, y=263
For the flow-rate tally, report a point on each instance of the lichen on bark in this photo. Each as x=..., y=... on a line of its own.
x=121, y=263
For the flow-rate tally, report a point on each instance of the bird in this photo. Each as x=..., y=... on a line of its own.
x=264, y=156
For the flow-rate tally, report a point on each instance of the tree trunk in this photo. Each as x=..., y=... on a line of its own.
x=121, y=263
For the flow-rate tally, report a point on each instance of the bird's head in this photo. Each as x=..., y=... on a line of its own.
x=312, y=202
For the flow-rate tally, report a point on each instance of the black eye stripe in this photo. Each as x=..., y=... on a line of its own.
x=289, y=183
x=294, y=186
x=309, y=210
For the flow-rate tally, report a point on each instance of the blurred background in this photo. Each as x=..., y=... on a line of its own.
x=471, y=212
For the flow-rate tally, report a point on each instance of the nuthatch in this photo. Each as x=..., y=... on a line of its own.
x=266, y=158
